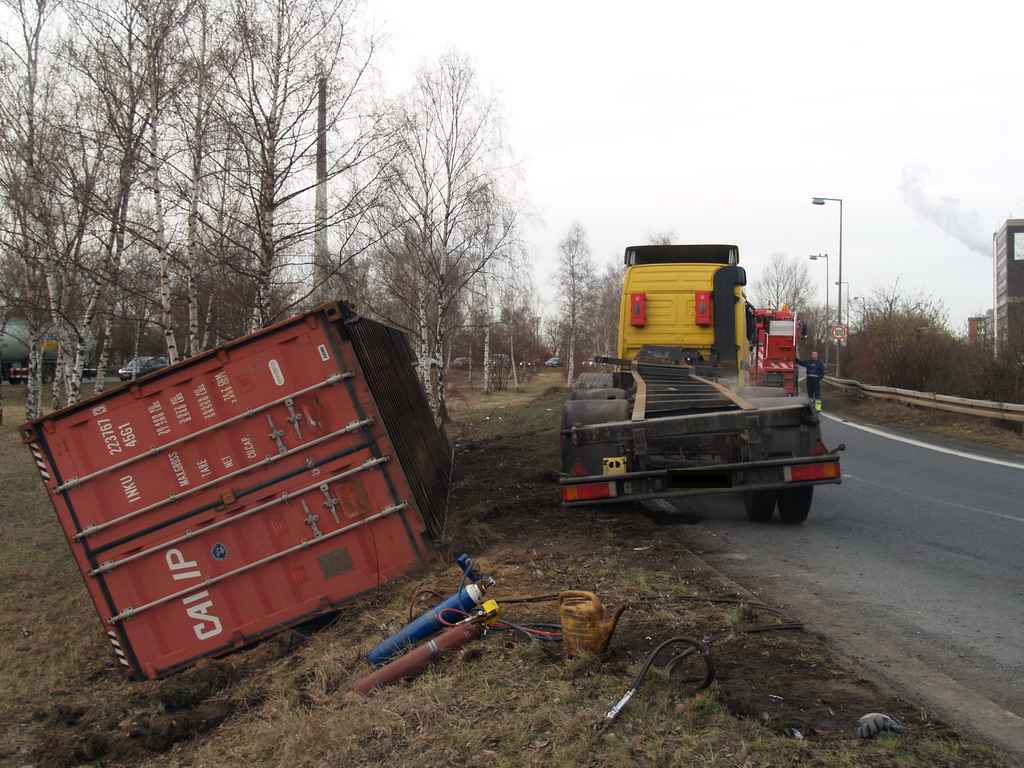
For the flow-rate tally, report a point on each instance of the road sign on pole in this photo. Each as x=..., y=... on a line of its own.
x=839, y=332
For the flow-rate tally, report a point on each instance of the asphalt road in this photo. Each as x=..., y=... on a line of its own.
x=913, y=565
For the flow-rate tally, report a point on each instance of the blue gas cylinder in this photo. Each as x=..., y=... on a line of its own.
x=466, y=599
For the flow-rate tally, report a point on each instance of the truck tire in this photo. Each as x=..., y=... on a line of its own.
x=48, y=374
x=760, y=505
x=602, y=393
x=795, y=503
x=594, y=380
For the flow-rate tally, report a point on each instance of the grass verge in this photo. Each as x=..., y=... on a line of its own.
x=778, y=699
x=944, y=425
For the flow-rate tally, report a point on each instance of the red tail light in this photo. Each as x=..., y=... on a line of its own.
x=588, y=491
x=802, y=472
x=702, y=308
x=638, y=308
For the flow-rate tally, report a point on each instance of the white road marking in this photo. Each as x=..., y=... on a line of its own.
x=933, y=500
x=920, y=444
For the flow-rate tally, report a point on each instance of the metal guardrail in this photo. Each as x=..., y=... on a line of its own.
x=986, y=408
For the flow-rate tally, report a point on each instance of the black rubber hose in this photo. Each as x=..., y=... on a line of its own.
x=694, y=646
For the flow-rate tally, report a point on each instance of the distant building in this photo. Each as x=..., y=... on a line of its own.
x=980, y=329
x=1008, y=263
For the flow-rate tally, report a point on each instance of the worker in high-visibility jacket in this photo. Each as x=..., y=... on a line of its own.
x=815, y=373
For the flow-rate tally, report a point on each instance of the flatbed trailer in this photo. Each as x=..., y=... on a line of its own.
x=685, y=435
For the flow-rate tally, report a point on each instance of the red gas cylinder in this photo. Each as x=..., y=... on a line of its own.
x=416, y=660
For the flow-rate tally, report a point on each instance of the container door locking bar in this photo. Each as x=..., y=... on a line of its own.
x=92, y=530
x=206, y=583
x=330, y=381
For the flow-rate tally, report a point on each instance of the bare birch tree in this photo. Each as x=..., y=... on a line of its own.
x=25, y=102
x=785, y=281
x=574, y=276
x=458, y=197
x=112, y=87
x=161, y=50
x=286, y=50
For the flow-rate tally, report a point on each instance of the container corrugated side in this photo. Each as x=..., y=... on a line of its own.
x=247, y=489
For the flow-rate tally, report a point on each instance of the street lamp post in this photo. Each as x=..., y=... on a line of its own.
x=839, y=310
x=815, y=257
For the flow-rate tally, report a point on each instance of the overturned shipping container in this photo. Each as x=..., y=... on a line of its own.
x=218, y=501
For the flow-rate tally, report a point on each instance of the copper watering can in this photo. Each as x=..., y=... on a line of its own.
x=585, y=627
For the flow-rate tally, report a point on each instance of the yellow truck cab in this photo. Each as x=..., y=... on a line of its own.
x=689, y=298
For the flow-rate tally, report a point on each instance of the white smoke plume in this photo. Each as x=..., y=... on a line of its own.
x=946, y=213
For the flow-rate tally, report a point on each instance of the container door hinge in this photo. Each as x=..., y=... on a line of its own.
x=311, y=520
x=295, y=417
x=276, y=435
x=330, y=502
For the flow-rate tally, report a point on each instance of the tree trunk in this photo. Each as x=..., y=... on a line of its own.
x=205, y=342
x=570, y=362
x=192, y=345
x=167, y=316
x=442, y=383
x=59, y=376
x=261, y=305
x=442, y=399
x=424, y=346
x=512, y=354
x=3, y=327
x=321, y=267
x=100, y=383
x=439, y=338
x=60, y=330
x=487, y=359
x=33, y=386
x=488, y=383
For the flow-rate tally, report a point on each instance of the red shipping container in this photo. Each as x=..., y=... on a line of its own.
x=220, y=500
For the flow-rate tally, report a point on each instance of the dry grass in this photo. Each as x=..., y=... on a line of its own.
x=501, y=701
x=946, y=425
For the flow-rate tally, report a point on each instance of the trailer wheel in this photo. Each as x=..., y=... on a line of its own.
x=594, y=380
x=795, y=503
x=760, y=505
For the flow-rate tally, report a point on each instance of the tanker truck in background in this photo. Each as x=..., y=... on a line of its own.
x=676, y=413
x=15, y=359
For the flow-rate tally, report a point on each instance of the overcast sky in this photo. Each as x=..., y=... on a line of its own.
x=719, y=121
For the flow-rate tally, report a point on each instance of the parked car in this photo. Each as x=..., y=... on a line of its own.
x=553, y=362
x=461, y=362
x=153, y=364
x=131, y=369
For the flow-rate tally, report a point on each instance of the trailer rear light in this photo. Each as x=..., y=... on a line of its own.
x=798, y=473
x=588, y=491
x=638, y=309
x=818, y=448
x=702, y=307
